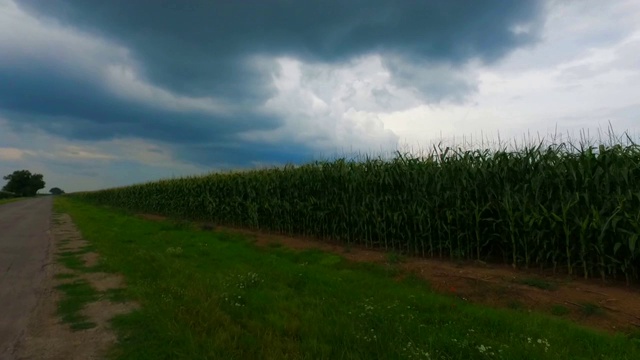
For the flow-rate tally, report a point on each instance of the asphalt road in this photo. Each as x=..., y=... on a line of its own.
x=24, y=247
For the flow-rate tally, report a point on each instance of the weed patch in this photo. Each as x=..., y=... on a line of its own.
x=72, y=261
x=395, y=258
x=63, y=276
x=559, y=310
x=537, y=283
x=589, y=309
x=76, y=295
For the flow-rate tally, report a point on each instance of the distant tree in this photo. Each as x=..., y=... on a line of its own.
x=23, y=183
x=56, y=191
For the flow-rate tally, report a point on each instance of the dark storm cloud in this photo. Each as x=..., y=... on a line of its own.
x=77, y=107
x=234, y=154
x=200, y=46
x=213, y=48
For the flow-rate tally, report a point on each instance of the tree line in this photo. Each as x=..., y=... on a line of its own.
x=22, y=183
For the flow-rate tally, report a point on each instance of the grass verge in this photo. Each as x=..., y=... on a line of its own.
x=77, y=292
x=212, y=295
x=559, y=310
x=6, y=201
x=76, y=295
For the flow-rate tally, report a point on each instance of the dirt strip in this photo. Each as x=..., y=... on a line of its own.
x=48, y=337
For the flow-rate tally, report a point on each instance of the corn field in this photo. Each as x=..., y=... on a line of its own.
x=573, y=210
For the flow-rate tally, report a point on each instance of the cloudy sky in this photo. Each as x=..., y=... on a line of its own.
x=97, y=94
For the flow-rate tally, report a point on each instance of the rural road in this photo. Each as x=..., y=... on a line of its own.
x=24, y=247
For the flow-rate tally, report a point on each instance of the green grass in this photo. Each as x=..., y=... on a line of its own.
x=537, y=283
x=6, y=201
x=395, y=258
x=515, y=305
x=76, y=295
x=559, y=310
x=589, y=309
x=221, y=297
x=72, y=261
x=117, y=295
x=64, y=276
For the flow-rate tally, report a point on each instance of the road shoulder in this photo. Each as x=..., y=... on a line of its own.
x=72, y=318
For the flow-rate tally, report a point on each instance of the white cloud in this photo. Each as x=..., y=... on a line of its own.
x=25, y=39
x=80, y=153
x=77, y=165
x=143, y=152
x=377, y=103
x=123, y=81
x=333, y=108
x=585, y=74
x=433, y=82
x=13, y=154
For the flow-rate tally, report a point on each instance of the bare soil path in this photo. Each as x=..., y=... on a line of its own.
x=49, y=338
x=24, y=249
